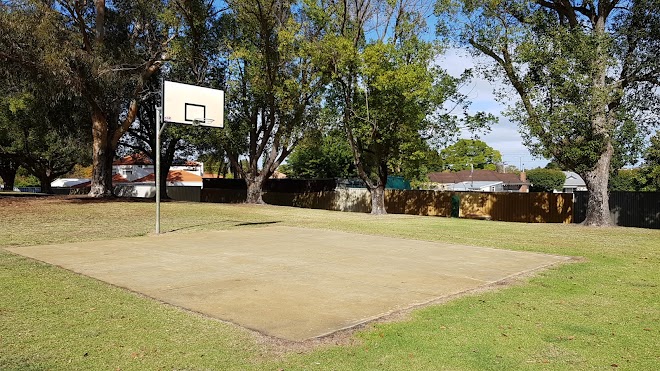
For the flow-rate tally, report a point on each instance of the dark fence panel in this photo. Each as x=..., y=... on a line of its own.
x=275, y=185
x=236, y=184
x=627, y=209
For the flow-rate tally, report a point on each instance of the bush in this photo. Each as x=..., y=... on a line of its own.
x=546, y=180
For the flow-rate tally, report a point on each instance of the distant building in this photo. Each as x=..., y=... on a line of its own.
x=479, y=181
x=573, y=183
x=138, y=169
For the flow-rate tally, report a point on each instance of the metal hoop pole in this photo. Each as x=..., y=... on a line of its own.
x=157, y=172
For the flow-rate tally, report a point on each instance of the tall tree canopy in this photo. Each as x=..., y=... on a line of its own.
x=102, y=50
x=546, y=180
x=586, y=74
x=273, y=85
x=42, y=126
x=321, y=155
x=387, y=91
x=196, y=58
x=470, y=153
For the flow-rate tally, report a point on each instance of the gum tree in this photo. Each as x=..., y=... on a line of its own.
x=273, y=86
x=585, y=74
x=104, y=51
x=387, y=91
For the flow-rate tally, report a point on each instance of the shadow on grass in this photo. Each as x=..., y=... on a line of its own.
x=102, y=200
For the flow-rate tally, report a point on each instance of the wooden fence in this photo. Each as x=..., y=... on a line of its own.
x=512, y=207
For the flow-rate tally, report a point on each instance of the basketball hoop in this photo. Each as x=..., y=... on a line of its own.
x=201, y=121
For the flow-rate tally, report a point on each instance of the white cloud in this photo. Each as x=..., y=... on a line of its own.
x=503, y=136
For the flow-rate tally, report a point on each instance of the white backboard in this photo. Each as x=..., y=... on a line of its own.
x=192, y=105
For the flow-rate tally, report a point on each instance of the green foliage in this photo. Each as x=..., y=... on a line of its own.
x=80, y=172
x=26, y=181
x=546, y=180
x=321, y=156
x=649, y=176
x=274, y=85
x=46, y=135
x=102, y=51
x=586, y=76
x=625, y=180
x=416, y=160
x=388, y=93
x=470, y=152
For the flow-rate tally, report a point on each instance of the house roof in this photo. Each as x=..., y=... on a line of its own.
x=172, y=176
x=476, y=176
x=117, y=178
x=573, y=180
x=134, y=159
x=185, y=163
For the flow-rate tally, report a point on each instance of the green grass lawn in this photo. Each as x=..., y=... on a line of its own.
x=602, y=312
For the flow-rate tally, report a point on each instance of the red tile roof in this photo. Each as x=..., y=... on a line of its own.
x=134, y=159
x=172, y=176
x=477, y=176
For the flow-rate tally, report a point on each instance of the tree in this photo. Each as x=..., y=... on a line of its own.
x=585, y=74
x=47, y=138
x=546, y=180
x=8, y=169
x=649, y=172
x=321, y=156
x=415, y=161
x=470, y=153
x=385, y=87
x=105, y=53
x=274, y=88
x=628, y=180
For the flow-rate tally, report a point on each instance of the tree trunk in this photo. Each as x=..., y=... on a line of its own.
x=164, y=172
x=598, y=205
x=254, y=190
x=102, y=155
x=8, y=171
x=44, y=182
x=378, y=200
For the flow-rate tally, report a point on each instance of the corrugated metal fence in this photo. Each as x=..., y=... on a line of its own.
x=627, y=209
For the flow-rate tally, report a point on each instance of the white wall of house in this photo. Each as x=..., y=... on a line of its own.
x=479, y=186
x=132, y=172
x=197, y=170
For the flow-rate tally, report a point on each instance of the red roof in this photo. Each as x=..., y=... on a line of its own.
x=477, y=176
x=134, y=159
x=172, y=176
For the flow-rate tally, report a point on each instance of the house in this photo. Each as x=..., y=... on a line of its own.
x=137, y=172
x=478, y=186
x=138, y=167
x=479, y=181
x=68, y=182
x=573, y=183
x=174, y=178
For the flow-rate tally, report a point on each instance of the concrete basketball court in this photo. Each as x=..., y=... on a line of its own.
x=291, y=283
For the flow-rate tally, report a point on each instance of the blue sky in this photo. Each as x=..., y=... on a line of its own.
x=503, y=136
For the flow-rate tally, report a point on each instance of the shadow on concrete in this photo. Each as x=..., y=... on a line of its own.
x=255, y=223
